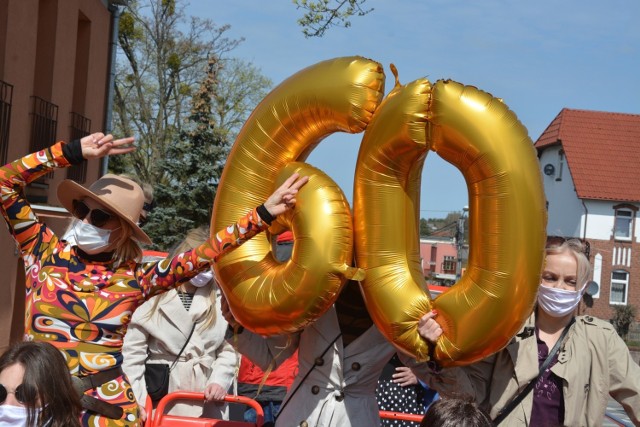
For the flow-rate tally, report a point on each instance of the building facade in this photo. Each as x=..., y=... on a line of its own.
x=589, y=161
x=439, y=259
x=55, y=62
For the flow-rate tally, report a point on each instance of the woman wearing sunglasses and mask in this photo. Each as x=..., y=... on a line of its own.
x=591, y=361
x=35, y=388
x=80, y=296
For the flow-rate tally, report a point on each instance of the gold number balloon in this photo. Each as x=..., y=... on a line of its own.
x=264, y=295
x=386, y=211
x=469, y=128
x=479, y=135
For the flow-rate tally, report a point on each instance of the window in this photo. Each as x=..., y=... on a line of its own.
x=623, y=224
x=560, y=165
x=449, y=264
x=619, y=286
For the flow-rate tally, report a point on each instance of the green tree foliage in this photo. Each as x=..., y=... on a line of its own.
x=623, y=316
x=322, y=14
x=159, y=81
x=194, y=164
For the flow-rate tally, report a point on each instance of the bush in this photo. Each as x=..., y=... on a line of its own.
x=623, y=316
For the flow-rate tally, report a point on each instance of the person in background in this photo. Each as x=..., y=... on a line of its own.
x=400, y=390
x=159, y=329
x=80, y=297
x=268, y=388
x=591, y=362
x=35, y=388
x=340, y=358
x=455, y=412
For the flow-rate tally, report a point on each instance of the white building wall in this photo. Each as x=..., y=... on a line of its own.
x=567, y=213
x=565, y=210
x=601, y=220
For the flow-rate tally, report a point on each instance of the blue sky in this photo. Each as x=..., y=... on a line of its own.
x=538, y=56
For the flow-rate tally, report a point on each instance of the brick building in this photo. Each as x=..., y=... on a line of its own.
x=439, y=257
x=590, y=163
x=55, y=79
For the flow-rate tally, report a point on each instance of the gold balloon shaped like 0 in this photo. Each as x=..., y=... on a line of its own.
x=338, y=95
x=481, y=137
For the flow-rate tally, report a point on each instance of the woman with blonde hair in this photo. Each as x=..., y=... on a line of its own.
x=185, y=326
x=560, y=369
x=80, y=296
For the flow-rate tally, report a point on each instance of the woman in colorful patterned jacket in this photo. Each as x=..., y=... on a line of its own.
x=80, y=297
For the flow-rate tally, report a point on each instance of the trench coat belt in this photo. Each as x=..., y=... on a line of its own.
x=82, y=384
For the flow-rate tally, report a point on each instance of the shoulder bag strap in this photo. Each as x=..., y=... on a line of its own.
x=507, y=409
x=183, y=347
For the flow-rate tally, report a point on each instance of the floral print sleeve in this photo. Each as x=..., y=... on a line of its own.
x=31, y=235
x=163, y=275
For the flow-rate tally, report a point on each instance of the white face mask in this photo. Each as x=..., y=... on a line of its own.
x=13, y=416
x=558, y=302
x=202, y=279
x=90, y=238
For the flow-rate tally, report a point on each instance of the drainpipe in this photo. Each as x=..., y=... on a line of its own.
x=586, y=215
x=113, y=46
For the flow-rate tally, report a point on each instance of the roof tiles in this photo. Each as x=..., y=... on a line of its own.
x=602, y=151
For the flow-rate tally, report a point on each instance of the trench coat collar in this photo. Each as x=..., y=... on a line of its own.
x=173, y=310
x=523, y=357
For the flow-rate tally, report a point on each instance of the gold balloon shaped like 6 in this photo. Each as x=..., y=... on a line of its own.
x=266, y=296
x=480, y=136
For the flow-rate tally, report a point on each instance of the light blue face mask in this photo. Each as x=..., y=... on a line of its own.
x=202, y=279
x=558, y=302
x=90, y=238
x=13, y=416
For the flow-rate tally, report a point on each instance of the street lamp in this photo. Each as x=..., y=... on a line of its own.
x=460, y=241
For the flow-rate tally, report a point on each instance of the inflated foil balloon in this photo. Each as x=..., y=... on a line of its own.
x=386, y=215
x=481, y=137
x=331, y=96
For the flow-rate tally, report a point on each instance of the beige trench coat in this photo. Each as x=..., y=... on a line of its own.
x=208, y=358
x=594, y=363
x=340, y=390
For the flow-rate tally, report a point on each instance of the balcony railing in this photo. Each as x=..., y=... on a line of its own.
x=44, y=124
x=6, y=97
x=80, y=127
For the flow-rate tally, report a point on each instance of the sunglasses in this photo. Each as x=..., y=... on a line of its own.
x=18, y=393
x=97, y=217
x=553, y=241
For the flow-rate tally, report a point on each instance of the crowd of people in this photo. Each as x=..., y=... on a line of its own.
x=99, y=321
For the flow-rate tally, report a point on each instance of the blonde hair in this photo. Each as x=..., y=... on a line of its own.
x=194, y=238
x=557, y=245
x=127, y=248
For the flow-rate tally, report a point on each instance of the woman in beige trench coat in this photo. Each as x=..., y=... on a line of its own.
x=159, y=329
x=592, y=363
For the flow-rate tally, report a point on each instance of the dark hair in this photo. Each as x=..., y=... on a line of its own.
x=455, y=412
x=47, y=379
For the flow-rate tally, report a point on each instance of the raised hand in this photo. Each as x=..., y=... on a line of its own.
x=98, y=145
x=284, y=198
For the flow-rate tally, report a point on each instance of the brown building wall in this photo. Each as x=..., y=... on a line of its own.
x=58, y=50
x=601, y=306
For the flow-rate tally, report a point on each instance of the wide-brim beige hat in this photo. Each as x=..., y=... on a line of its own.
x=120, y=195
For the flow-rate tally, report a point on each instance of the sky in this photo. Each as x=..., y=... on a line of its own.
x=538, y=56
